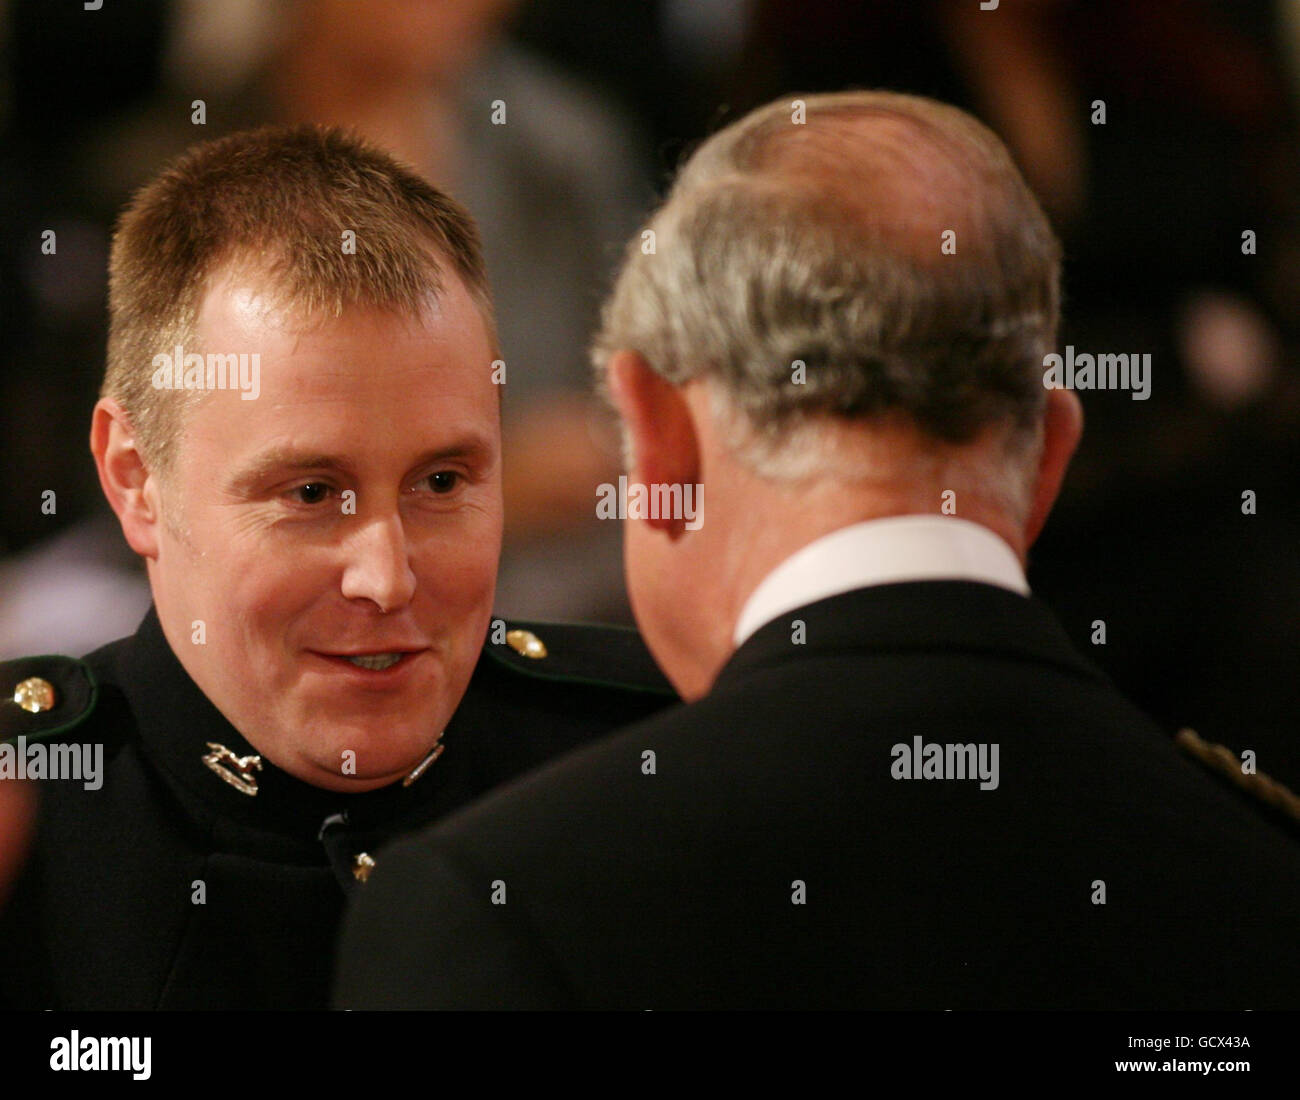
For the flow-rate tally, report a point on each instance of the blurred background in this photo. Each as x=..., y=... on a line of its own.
x=1201, y=602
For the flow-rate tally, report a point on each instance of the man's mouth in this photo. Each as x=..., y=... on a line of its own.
x=376, y=660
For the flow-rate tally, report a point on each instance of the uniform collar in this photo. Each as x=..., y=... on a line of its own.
x=882, y=551
x=175, y=722
x=928, y=617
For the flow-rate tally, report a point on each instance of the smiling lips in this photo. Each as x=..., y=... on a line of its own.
x=374, y=660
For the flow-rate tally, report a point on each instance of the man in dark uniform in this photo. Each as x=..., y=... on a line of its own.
x=299, y=432
x=895, y=784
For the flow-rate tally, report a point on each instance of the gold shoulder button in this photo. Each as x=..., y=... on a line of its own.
x=576, y=654
x=526, y=644
x=34, y=695
x=44, y=696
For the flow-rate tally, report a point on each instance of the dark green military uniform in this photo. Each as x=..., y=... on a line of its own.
x=171, y=886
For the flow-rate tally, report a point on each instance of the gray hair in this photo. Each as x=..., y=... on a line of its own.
x=778, y=244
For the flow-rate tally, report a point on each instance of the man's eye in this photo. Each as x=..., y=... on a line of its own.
x=444, y=481
x=313, y=492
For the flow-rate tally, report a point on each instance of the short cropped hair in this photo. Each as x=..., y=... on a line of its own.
x=273, y=203
x=820, y=241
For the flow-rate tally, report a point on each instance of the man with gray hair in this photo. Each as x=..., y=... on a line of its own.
x=895, y=784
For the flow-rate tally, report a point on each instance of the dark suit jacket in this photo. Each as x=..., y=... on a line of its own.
x=773, y=860
x=108, y=912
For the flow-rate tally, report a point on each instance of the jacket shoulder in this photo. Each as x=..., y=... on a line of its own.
x=1270, y=799
x=612, y=657
x=43, y=697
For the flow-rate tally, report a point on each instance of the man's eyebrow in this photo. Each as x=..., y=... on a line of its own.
x=284, y=461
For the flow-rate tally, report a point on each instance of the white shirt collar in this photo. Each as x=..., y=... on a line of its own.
x=882, y=551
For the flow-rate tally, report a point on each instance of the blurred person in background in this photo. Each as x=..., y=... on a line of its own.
x=16, y=805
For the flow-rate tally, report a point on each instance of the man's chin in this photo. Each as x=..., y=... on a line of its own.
x=368, y=759
x=353, y=784
x=381, y=774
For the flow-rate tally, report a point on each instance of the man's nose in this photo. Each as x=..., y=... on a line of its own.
x=378, y=566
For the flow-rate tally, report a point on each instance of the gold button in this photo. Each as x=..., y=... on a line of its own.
x=35, y=695
x=526, y=643
x=362, y=865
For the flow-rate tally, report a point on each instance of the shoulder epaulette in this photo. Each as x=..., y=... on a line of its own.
x=41, y=697
x=1275, y=800
x=602, y=656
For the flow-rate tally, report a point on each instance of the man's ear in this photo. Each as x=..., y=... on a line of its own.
x=131, y=490
x=665, y=447
x=1062, y=430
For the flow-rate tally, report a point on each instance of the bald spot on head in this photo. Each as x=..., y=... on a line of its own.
x=903, y=179
x=816, y=230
